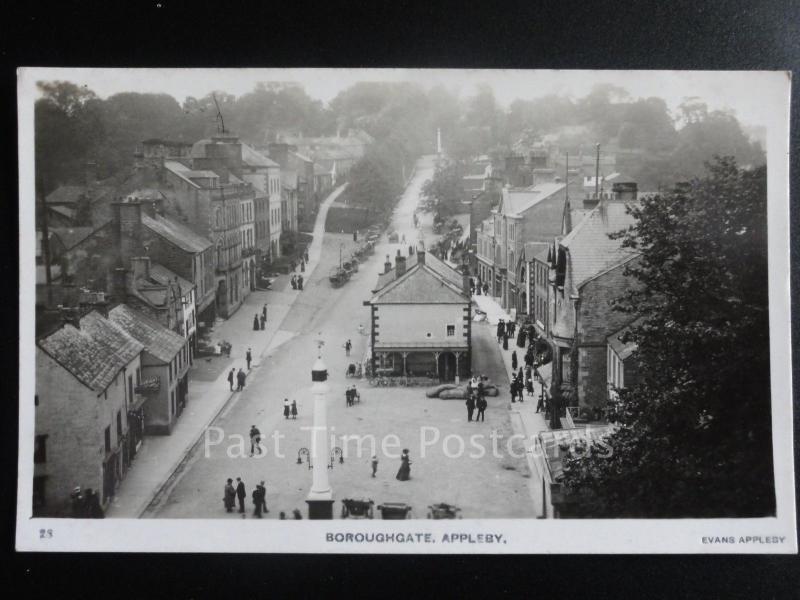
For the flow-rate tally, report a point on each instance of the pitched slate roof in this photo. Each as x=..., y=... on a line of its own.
x=181, y=170
x=516, y=202
x=431, y=283
x=254, y=158
x=159, y=341
x=176, y=233
x=590, y=250
x=536, y=250
x=66, y=194
x=163, y=276
x=71, y=236
x=95, y=353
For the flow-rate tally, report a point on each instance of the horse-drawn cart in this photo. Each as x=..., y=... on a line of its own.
x=339, y=276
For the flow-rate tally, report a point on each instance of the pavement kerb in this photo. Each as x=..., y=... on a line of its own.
x=189, y=449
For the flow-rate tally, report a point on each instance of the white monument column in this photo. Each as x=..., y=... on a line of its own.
x=320, y=498
x=438, y=141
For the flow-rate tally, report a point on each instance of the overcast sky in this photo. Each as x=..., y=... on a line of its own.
x=741, y=91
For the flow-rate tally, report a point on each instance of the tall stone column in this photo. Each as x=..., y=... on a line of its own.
x=320, y=498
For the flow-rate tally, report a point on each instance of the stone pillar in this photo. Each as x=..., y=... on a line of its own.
x=457, y=355
x=436, y=363
x=405, y=371
x=320, y=498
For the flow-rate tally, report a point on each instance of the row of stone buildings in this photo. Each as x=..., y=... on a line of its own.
x=544, y=251
x=128, y=271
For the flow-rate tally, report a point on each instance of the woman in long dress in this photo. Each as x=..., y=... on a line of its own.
x=404, y=473
x=286, y=410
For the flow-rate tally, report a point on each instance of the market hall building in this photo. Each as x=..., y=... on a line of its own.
x=420, y=320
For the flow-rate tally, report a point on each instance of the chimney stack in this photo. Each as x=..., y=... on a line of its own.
x=400, y=265
x=625, y=191
x=387, y=265
x=140, y=265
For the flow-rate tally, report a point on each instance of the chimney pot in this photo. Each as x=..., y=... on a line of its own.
x=400, y=265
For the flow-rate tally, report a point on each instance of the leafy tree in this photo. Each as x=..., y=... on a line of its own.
x=68, y=125
x=444, y=192
x=694, y=437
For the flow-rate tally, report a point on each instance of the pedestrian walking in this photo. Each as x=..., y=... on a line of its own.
x=264, y=311
x=501, y=328
x=470, y=407
x=354, y=395
x=241, y=494
x=263, y=322
x=229, y=496
x=481, y=405
x=231, y=377
x=256, y=326
x=255, y=440
x=302, y=266
x=294, y=409
x=514, y=360
x=404, y=473
x=256, y=498
x=347, y=346
x=540, y=404
x=294, y=281
x=282, y=516
x=286, y=409
x=300, y=282
x=249, y=357
x=505, y=340
x=296, y=515
x=374, y=465
x=529, y=385
x=240, y=379
x=348, y=396
x=263, y=495
x=513, y=390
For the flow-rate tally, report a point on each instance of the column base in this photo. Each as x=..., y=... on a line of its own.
x=320, y=509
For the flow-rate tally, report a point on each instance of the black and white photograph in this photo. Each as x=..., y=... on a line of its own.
x=522, y=311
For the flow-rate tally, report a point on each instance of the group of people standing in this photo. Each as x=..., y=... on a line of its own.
x=476, y=398
x=289, y=409
x=505, y=331
x=297, y=281
x=239, y=377
x=351, y=395
x=260, y=323
x=238, y=493
x=477, y=288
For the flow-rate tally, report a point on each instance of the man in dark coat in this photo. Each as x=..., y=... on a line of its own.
x=513, y=390
x=230, y=378
x=249, y=357
x=241, y=494
x=470, y=407
x=240, y=377
x=481, y=404
x=500, y=330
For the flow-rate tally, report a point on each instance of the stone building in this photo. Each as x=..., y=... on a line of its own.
x=164, y=368
x=524, y=215
x=420, y=319
x=587, y=274
x=86, y=424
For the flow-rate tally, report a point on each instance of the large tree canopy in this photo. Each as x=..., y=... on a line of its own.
x=694, y=437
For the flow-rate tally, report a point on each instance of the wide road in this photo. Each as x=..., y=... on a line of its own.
x=333, y=315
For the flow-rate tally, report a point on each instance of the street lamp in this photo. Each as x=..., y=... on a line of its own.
x=320, y=497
